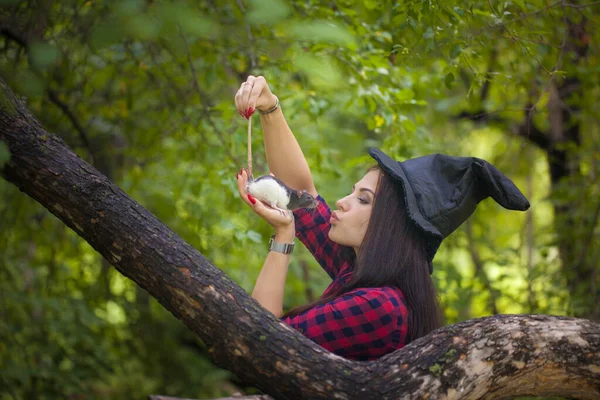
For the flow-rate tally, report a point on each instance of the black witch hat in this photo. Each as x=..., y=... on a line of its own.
x=441, y=191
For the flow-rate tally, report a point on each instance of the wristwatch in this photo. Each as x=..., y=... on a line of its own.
x=285, y=248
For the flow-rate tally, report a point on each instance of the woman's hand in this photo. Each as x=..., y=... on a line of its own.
x=283, y=224
x=252, y=95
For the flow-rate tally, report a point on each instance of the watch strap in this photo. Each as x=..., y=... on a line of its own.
x=285, y=248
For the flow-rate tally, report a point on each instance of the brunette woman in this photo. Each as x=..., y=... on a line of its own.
x=377, y=246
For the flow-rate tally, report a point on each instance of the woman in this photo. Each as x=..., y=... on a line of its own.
x=377, y=246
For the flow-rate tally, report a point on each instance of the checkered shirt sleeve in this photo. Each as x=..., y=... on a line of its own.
x=363, y=324
x=312, y=229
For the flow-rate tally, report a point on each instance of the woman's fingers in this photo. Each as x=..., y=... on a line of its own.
x=238, y=100
x=242, y=179
x=242, y=96
x=247, y=90
x=272, y=216
x=248, y=96
x=259, y=85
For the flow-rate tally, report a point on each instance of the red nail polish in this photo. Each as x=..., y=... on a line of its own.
x=250, y=111
x=237, y=175
x=252, y=199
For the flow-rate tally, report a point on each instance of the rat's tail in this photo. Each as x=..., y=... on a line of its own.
x=250, y=146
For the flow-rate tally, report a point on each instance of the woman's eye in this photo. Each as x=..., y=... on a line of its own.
x=362, y=201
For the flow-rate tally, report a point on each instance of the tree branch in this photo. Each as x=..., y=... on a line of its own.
x=595, y=3
x=255, y=397
x=486, y=84
x=71, y=116
x=529, y=131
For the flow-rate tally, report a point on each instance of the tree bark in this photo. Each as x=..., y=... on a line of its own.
x=495, y=357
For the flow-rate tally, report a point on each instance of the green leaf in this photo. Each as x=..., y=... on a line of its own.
x=128, y=7
x=455, y=51
x=254, y=236
x=30, y=84
x=520, y=3
x=371, y=4
x=199, y=26
x=449, y=80
x=267, y=12
x=106, y=33
x=42, y=54
x=190, y=20
x=143, y=26
x=408, y=125
x=399, y=19
x=405, y=94
x=428, y=34
x=321, y=31
x=320, y=70
x=4, y=154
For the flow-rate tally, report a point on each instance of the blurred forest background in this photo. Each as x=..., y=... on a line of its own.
x=144, y=90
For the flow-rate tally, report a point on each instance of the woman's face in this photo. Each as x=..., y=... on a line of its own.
x=349, y=222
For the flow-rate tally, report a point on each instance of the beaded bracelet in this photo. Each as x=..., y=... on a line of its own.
x=275, y=107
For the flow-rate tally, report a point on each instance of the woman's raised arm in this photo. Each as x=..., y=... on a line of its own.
x=284, y=155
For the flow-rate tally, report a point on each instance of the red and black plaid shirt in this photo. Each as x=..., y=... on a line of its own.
x=362, y=324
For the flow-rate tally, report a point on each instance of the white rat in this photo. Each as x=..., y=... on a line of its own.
x=273, y=191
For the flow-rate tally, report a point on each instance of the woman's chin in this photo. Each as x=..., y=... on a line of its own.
x=335, y=238
x=332, y=236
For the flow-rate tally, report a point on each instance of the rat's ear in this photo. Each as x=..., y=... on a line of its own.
x=298, y=193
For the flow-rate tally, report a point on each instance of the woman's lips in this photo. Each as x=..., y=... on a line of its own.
x=334, y=218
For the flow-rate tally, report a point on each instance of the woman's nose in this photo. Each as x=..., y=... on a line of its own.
x=341, y=204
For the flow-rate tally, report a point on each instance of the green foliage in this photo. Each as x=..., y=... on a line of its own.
x=42, y=55
x=267, y=12
x=152, y=85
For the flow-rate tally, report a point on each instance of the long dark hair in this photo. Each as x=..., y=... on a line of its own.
x=393, y=253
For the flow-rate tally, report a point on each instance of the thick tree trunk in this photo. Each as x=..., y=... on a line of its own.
x=495, y=357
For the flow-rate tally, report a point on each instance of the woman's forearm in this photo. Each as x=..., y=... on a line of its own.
x=269, y=287
x=284, y=155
